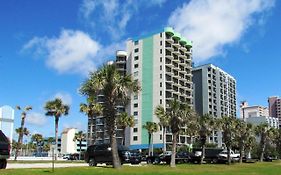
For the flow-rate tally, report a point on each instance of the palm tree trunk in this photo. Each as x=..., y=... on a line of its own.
x=91, y=130
x=56, y=136
x=174, y=147
x=114, y=150
x=228, y=156
x=164, y=139
x=123, y=137
x=152, y=144
x=20, y=136
x=149, y=144
x=262, y=152
x=203, y=153
x=241, y=153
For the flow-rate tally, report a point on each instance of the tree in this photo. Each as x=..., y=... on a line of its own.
x=265, y=133
x=178, y=115
x=124, y=120
x=56, y=108
x=206, y=126
x=116, y=90
x=228, y=127
x=80, y=136
x=23, y=116
x=91, y=109
x=244, y=135
x=38, y=139
x=151, y=128
x=163, y=122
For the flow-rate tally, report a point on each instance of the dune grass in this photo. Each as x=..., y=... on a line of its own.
x=266, y=168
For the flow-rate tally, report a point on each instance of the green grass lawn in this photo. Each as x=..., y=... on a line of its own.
x=266, y=168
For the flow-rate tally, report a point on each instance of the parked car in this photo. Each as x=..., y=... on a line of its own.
x=102, y=154
x=234, y=156
x=211, y=155
x=4, y=150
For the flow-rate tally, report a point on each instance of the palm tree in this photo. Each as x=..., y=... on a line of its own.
x=265, y=133
x=245, y=133
x=56, y=108
x=80, y=136
x=207, y=124
x=23, y=116
x=37, y=138
x=151, y=127
x=124, y=120
x=163, y=122
x=178, y=115
x=116, y=89
x=90, y=109
x=228, y=127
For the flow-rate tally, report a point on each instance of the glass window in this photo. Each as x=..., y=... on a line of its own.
x=160, y=67
x=136, y=105
x=135, y=138
x=135, y=97
x=160, y=84
x=135, y=113
x=160, y=51
x=136, y=73
x=136, y=50
x=160, y=93
x=160, y=59
x=136, y=65
x=135, y=129
x=136, y=42
x=136, y=58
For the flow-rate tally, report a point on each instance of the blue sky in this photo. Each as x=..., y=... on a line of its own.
x=48, y=47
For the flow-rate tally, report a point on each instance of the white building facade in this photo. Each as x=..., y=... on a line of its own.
x=7, y=121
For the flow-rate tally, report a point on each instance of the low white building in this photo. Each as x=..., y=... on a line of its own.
x=271, y=121
x=247, y=111
x=7, y=121
x=68, y=145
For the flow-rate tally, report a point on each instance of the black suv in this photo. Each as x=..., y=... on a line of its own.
x=4, y=150
x=102, y=154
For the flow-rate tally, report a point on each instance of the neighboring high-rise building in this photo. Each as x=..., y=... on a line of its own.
x=161, y=62
x=274, y=107
x=271, y=121
x=247, y=111
x=99, y=134
x=214, y=94
x=7, y=121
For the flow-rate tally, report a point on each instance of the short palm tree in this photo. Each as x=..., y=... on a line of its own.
x=23, y=116
x=151, y=128
x=265, y=133
x=123, y=121
x=206, y=126
x=163, y=122
x=56, y=108
x=80, y=136
x=245, y=133
x=91, y=109
x=228, y=127
x=116, y=90
x=38, y=139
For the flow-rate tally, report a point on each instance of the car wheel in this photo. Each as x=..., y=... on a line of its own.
x=156, y=161
x=92, y=162
x=3, y=164
x=148, y=161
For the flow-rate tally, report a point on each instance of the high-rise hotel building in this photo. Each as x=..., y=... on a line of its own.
x=161, y=62
x=214, y=94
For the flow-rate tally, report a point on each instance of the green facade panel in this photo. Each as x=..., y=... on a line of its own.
x=147, y=85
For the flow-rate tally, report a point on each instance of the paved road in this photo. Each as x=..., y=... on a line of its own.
x=43, y=165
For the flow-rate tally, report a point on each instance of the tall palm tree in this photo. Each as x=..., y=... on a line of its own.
x=245, y=133
x=23, y=116
x=206, y=126
x=38, y=139
x=228, y=127
x=163, y=122
x=91, y=109
x=265, y=133
x=123, y=121
x=151, y=128
x=178, y=115
x=80, y=136
x=116, y=89
x=56, y=108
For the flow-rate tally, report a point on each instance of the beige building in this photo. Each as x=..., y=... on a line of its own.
x=247, y=111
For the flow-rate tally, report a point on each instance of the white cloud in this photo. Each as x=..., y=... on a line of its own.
x=65, y=97
x=212, y=24
x=37, y=119
x=73, y=51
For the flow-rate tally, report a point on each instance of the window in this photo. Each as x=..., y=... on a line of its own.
x=135, y=130
x=136, y=65
x=160, y=43
x=160, y=84
x=135, y=97
x=160, y=35
x=160, y=136
x=136, y=50
x=136, y=58
x=160, y=93
x=136, y=42
x=135, y=113
x=136, y=105
x=135, y=138
x=160, y=101
x=160, y=67
x=161, y=76
x=160, y=51
x=136, y=73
